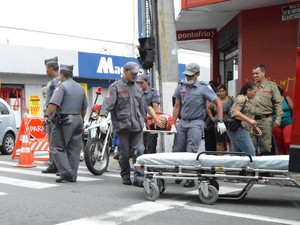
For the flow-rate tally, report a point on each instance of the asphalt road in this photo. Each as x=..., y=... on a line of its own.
x=29, y=197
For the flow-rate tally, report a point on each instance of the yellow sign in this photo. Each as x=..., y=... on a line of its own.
x=85, y=87
x=35, y=105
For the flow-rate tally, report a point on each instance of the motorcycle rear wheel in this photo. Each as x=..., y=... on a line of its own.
x=96, y=162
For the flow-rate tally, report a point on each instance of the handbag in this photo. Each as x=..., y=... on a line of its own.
x=234, y=124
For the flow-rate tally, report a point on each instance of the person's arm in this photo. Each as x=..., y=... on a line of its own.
x=176, y=111
x=291, y=103
x=155, y=106
x=277, y=103
x=157, y=121
x=209, y=109
x=219, y=105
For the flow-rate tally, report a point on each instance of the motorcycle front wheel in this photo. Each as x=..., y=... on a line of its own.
x=96, y=162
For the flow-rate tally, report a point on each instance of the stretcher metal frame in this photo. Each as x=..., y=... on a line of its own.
x=206, y=176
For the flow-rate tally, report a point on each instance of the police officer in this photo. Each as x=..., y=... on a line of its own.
x=151, y=98
x=190, y=103
x=52, y=72
x=69, y=104
x=267, y=102
x=126, y=104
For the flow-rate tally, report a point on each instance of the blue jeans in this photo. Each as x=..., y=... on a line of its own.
x=241, y=141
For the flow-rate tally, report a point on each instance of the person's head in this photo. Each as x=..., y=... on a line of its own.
x=51, y=66
x=142, y=80
x=280, y=90
x=259, y=73
x=44, y=89
x=66, y=72
x=249, y=89
x=222, y=91
x=214, y=85
x=130, y=71
x=192, y=71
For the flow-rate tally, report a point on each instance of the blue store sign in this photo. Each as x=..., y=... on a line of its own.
x=100, y=66
x=106, y=67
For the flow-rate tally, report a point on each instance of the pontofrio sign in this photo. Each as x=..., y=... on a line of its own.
x=187, y=35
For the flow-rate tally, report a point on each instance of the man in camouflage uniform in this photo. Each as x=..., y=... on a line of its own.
x=125, y=102
x=266, y=102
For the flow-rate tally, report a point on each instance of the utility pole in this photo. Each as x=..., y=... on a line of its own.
x=166, y=59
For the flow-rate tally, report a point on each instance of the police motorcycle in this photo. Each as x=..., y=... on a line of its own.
x=97, y=148
x=93, y=118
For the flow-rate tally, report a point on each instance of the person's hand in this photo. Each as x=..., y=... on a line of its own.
x=173, y=129
x=276, y=123
x=257, y=131
x=221, y=128
x=160, y=122
x=103, y=125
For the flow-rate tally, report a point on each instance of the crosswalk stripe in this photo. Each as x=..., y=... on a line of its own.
x=38, y=173
x=25, y=183
x=2, y=193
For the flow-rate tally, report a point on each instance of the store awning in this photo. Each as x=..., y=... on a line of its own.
x=196, y=16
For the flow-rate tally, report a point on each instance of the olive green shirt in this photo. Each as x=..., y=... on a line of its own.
x=267, y=100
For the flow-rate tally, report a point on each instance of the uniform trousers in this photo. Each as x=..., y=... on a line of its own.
x=265, y=143
x=188, y=136
x=150, y=142
x=65, y=146
x=130, y=142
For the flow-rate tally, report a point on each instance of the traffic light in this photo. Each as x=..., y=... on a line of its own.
x=146, y=50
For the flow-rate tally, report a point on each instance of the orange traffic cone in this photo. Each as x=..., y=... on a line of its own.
x=25, y=159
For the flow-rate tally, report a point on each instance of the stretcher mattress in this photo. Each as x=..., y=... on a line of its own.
x=278, y=162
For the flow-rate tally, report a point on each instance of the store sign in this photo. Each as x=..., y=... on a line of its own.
x=290, y=12
x=101, y=66
x=188, y=35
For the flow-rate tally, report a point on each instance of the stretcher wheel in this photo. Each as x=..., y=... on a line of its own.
x=153, y=192
x=161, y=185
x=215, y=184
x=212, y=195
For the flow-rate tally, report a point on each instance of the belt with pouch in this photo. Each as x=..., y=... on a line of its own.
x=263, y=116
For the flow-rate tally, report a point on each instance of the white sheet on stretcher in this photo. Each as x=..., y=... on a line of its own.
x=278, y=162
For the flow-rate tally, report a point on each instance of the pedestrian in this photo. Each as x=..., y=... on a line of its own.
x=209, y=125
x=221, y=139
x=52, y=71
x=283, y=133
x=243, y=110
x=151, y=98
x=267, y=102
x=44, y=89
x=69, y=104
x=191, y=96
x=125, y=103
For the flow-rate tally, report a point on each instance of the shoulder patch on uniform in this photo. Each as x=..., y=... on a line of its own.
x=239, y=98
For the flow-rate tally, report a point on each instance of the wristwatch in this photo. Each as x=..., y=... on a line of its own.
x=220, y=121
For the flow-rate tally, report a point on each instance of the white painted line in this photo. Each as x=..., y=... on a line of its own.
x=137, y=211
x=128, y=214
x=2, y=193
x=25, y=183
x=242, y=215
x=27, y=171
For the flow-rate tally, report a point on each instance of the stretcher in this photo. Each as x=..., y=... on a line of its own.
x=206, y=168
